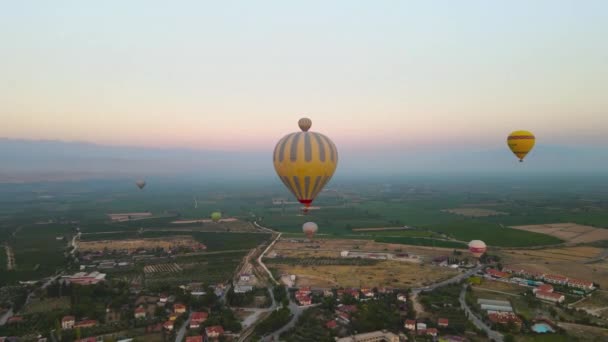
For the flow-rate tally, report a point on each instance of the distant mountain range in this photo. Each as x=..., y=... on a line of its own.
x=29, y=160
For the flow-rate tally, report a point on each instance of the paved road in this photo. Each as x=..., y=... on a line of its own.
x=296, y=312
x=265, y=251
x=182, y=331
x=6, y=316
x=452, y=280
x=494, y=335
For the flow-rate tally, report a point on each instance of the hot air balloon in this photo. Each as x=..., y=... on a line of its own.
x=305, y=162
x=140, y=184
x=216, y=216
x=310, y=228
x=477, y=248
x=520, y=143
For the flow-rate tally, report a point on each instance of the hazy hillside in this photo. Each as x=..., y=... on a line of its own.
x=24, y=160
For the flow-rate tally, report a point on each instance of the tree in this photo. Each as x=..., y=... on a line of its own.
x=509, y=338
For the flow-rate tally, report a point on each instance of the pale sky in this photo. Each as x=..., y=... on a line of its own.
x=237, y=75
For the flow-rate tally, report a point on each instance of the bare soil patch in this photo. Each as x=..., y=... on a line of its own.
x=570, y=232
x=132, y=245
x=474, y=212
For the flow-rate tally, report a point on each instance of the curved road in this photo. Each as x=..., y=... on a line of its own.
x=494, y=335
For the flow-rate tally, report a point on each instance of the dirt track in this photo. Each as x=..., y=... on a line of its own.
x=10, y=258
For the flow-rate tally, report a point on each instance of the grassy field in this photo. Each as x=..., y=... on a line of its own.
x=37, y=252
x=209, y=269
x=213, y=241
x=48, y=304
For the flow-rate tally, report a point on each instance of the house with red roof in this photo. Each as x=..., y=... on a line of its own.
x=163, y=298
x=198, y=338
x=140, y=313
x=543, y=288
x=197, y=319
x=343, y=317
x=581, y=284
x=303, y=299
x=347, y=308
x=410, y=324
x=214, y=331
x=368, y=293
x=505, y=318
x=168, y=325
x=494, y=273
x=556, y=279
x=551, y=296
x=432, y=332
x=352, y=292
x=67, y=322
x=89, y=323
x=304, y=290
x=443, y=322
x=15, y=320
x=331, y=324
x=179, y=309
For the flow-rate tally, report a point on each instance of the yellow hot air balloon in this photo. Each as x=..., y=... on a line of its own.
x=520, y=143
x=305, y=162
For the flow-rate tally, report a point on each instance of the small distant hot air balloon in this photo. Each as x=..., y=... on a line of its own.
x=216, y=216
x=305, y=162
x=140, y=184
x=310, y=228
x=520, y=143
x=477, y=248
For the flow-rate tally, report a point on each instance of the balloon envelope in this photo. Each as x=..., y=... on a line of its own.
x=305, y=162
x=216, y=216
x=477, y=248
x=310, y=228
x=521, y=143
x=140, y=184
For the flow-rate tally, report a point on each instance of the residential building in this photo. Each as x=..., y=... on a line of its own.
x=67, y=322
x=15, y=320
x=140, y=313
x=505, y=318
x=421, y=326
x=197, y=319
x=85, y=324
x=581, y=284
x=331, y=324
x=83, y=278
x=245, y=277
x=410, y=324
x=556, y=279
x=163, y=298
x=343, y=317
x=179, y=309
x=352, y=292
x=304, y=290
x=198, y=338
x=548, y=288
x=551, y=296
x=497, y=274
x=168, y=325
x=368, y=293
x=432, y=332
x=303, y=299
x=214, y=331
x=402, y=297
x=443, y=322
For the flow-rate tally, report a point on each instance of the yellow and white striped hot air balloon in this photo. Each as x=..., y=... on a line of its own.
x=305, y=162
x=521, y=143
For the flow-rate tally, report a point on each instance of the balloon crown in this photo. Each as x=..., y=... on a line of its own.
x=304, y=124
